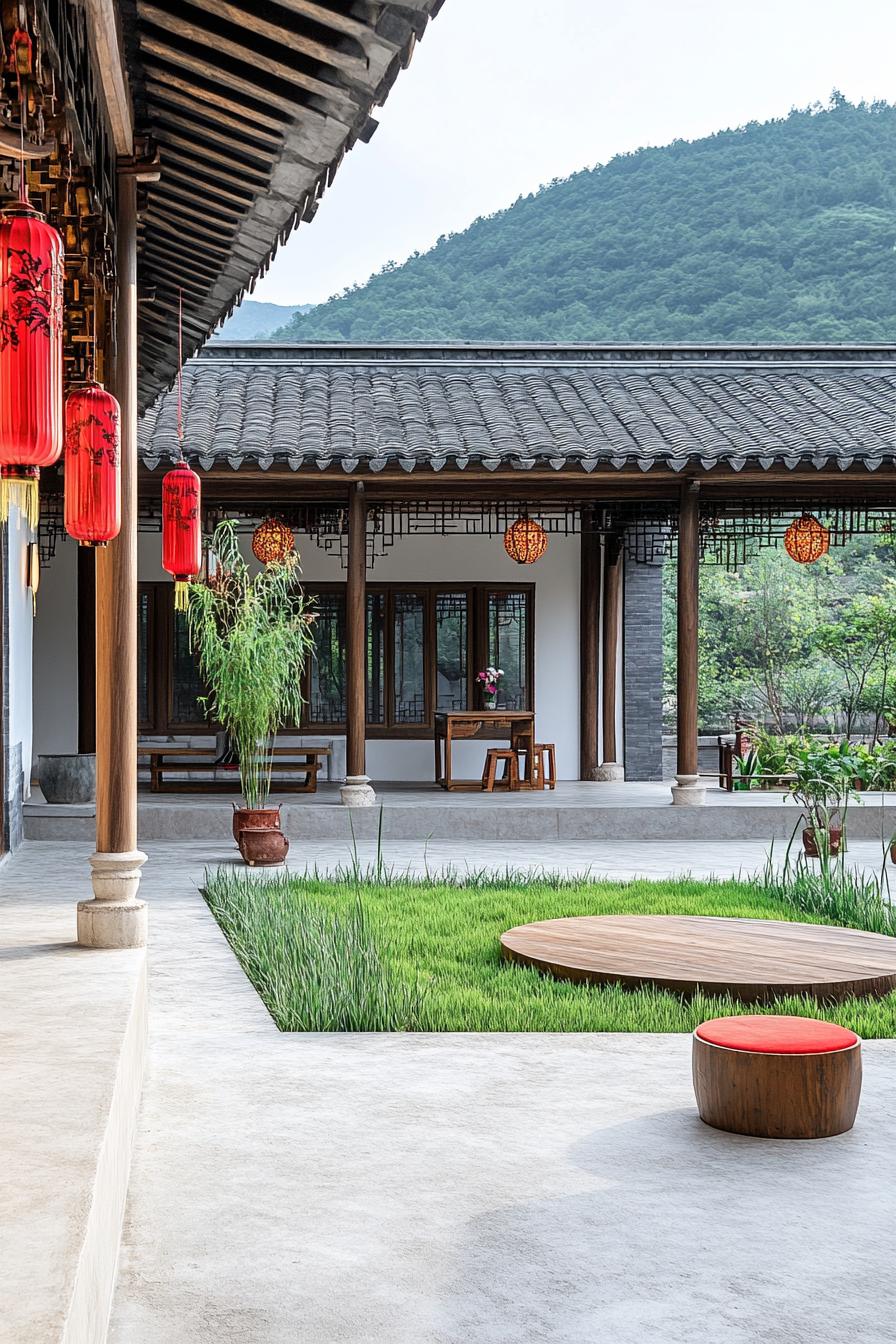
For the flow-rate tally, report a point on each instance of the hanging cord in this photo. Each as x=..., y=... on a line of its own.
x=181, y=588
x=180, y=374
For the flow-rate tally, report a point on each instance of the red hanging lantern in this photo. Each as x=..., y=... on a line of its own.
x=181, y=530
x=525, y=541
x=806, y=539
x=31, y=273
x=92, y=465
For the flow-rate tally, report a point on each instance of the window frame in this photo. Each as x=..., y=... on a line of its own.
x=160, y=647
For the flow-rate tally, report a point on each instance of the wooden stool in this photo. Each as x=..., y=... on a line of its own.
x=544, y=766
x=777, y=1077
x=511, y=777
x=544, y=770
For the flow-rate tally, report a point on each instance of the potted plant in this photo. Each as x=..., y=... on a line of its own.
x=824, y=775
x=252, y=635
x=487, y=680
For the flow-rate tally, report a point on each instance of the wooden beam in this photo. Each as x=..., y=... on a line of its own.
x=180, y=30
x=189, y=91
x=356, y=635
x=104, y=32
x=241, y=165
x=589, y=626
x=687, y=651
x=612, y=609
x=291, y=39
x=162, y=117
x=166, y=102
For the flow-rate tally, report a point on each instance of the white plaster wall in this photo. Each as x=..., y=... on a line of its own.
x=483, y=559
x=411, y=559
x=55, y=682
x=19, y=615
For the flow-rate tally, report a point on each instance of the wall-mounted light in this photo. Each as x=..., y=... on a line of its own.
x=32, y=571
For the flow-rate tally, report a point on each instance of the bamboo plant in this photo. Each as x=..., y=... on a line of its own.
x=252, y=635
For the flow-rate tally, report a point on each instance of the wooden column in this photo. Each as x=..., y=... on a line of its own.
x=356, y=791
x=688, y=788
x=589, y=648
x=115, y=918
x=86, y=649
x=612, y=604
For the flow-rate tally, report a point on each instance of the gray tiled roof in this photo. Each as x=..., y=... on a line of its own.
x=521, y=407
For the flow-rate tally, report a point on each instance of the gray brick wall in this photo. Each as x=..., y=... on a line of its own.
x=642, y=669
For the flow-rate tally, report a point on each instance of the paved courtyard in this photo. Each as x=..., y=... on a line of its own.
x=493, y=1189
x=456, y=1189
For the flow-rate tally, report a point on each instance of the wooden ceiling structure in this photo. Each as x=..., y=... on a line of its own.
x=252, y=106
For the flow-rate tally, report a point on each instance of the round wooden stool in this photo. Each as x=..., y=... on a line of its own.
x=777, y=1077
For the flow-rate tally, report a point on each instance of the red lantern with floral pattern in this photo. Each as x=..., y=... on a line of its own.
x=31, y=274
x=181, y=530
x=92, y=465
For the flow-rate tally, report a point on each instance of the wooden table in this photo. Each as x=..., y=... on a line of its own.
x=515, y=725
x=291, y=760
x=754, y=960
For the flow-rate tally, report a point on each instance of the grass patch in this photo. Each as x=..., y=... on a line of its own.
x=380, y=953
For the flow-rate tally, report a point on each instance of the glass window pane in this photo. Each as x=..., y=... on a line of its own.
x=143, y=600
x=507, y=641
x=326, y=702
x=451, y=651
x=186, y=684
x=376, y=658
x=410, y=700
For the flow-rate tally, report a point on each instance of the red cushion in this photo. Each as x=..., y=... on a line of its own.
x=776, y=1035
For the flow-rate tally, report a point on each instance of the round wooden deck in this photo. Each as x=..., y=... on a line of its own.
x=751, y=959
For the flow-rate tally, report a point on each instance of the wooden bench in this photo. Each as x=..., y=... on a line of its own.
x=305, y=761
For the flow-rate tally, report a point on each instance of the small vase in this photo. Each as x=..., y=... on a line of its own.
x=254, y=816
x=810, y=842
x=490, y=702
x=263, y=846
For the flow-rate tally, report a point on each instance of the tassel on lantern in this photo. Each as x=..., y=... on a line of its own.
x=181, y=595
x=20, y=486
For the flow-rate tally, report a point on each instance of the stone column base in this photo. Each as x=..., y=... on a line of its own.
x=688, y=791
x=114, y=918
x=608, y=772
x=357, y=792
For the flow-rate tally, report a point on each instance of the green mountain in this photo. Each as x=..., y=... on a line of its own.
x=781, y=231
x=254, y=321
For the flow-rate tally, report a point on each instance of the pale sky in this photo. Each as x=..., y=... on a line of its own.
x=503, y=95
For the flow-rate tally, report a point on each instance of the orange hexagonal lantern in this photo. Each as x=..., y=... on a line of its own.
x=806, y=539
x=525, y=541
x=272, y=542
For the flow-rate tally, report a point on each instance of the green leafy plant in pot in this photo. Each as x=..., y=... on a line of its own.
x=824, y=775
x=252, y=636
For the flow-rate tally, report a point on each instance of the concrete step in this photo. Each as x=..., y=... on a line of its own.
x=627, y=812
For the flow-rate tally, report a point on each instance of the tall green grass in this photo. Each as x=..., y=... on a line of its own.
x=317, y=967
x=430, y=955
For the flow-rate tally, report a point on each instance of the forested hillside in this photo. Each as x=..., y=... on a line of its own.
x=783, y=231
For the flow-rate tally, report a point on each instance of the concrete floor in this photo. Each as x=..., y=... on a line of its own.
x=474, y=1189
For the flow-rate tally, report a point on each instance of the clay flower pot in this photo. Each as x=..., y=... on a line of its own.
x=810, y=844
x=267, y=817
x=262, y=846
